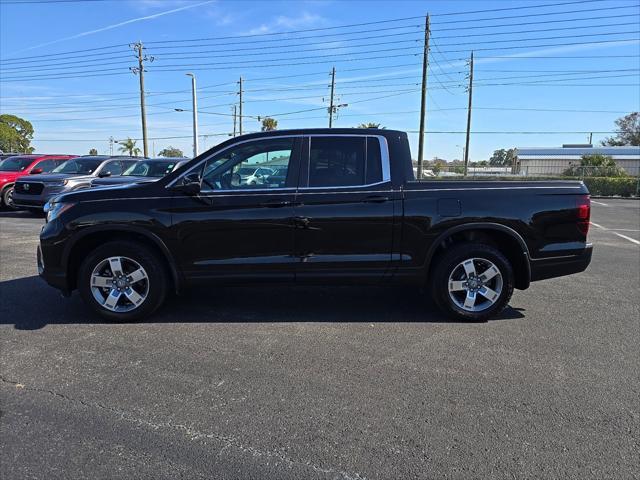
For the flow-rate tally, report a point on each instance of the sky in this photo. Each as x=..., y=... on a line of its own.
x=555, y=69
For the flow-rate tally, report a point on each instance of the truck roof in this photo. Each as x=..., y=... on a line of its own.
x=327, y=131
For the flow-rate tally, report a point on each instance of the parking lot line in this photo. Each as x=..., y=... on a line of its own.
x=600, y=203
x=633, y=240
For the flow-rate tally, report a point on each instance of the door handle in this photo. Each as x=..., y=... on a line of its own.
x=301, y=222
x=275, y=204
x=376, y=199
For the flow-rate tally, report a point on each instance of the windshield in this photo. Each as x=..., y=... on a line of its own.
x=150, y=169
x=15, y=164
x=78, y=165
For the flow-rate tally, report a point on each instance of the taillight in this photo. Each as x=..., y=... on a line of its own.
x=584, y=213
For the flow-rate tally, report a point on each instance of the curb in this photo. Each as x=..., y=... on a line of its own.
x=615, y=198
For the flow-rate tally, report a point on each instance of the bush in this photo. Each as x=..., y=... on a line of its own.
x=609, y=186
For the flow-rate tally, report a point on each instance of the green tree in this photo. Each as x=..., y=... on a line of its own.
x=269, y=124
x=628, y=132
x=171, y=152
x=15, y=134
x=93, y=151
x=129, y=146
x=438, y=165
x=370, y=125
x=502, y=157
x=595, y=166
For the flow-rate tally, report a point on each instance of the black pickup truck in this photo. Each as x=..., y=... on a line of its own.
x=345, y=208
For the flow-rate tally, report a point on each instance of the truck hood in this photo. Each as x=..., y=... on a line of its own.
x=108, y=192
x=52, y=177
x=100, y=182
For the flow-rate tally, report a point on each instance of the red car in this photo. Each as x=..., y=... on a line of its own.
x=12, y=168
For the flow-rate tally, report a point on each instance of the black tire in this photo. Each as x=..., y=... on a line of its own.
x=155, y=270
x=7, y=195
x=447, y=264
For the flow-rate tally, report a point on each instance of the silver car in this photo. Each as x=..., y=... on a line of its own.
x=74, y=174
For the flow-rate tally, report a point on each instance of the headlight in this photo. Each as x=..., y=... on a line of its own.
x=65, y=182
x=54, y=210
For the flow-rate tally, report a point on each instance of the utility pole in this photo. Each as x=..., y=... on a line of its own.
x=240, y=108
x=423, y=100
x=194, y=106
x=333, y=86
x=139, y=70
x=591, y=138
x=234, y=119
x=111, y=145
x=466, y=150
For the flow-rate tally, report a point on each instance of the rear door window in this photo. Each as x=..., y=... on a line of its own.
x=344, y=161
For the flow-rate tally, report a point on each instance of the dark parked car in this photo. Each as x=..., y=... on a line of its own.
x=143, y=171
x=74, y=174
x=349, y=211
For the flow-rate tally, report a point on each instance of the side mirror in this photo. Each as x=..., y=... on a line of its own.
x=35, y=171
x=190, y=183
x=104, y=174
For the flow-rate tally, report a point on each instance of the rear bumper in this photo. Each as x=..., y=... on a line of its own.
x=550, y=267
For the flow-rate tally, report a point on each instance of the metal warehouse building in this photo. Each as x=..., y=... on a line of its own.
x=554, y=161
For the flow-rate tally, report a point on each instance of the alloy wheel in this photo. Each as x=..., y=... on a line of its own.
x=119, y=284
x=475, y=284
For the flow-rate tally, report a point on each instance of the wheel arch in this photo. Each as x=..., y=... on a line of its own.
x=5, y=187
x=91, y=238
x=505, y=238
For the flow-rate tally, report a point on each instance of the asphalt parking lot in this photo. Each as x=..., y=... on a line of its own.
x=325, y=383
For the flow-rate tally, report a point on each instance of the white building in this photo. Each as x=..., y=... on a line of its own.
x=554, y=161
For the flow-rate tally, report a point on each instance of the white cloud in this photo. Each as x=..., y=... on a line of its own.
x=280, y=22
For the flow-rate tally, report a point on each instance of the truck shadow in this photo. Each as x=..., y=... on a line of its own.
x=29, y=304
x=5, y=213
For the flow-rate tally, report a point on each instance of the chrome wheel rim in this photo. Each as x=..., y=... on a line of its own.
x=119, y=284
x=8, y=198
x=475, y=284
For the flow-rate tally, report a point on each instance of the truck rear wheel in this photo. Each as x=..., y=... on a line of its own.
x=472, y=282
x=122, y=281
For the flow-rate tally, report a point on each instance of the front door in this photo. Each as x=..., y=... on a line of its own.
x=238, y=228
x=345, y=209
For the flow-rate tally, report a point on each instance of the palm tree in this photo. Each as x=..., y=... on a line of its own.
x=369, y=125
x=269, y=124
x=129, y=146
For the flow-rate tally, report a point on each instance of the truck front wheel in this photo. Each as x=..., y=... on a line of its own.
x=472, y=282
x=122, y=281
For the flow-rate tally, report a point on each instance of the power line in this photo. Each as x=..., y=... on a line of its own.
x=542, y=22
x=529, y=15
x=379, y=22
x=364, y=24
x=252, y=51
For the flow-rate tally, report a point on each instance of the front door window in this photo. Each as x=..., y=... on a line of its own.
x=259, y=164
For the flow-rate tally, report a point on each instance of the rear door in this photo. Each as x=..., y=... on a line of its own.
x=344, y=214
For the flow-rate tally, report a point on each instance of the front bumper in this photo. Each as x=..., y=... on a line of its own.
x=51, y=267
x=36, y=201
x=550, y=267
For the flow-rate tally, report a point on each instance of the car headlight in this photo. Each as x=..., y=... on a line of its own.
x=54, y=210
x=65, y=182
